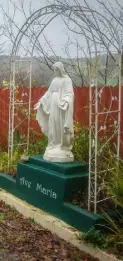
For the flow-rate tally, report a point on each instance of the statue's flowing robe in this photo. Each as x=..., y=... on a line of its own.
x=55, y=113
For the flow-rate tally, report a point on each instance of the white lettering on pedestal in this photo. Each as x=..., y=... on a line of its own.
x=25, y=182
x=39, y=187
x=47, y=192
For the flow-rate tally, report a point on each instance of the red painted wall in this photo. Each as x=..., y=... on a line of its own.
x=81, y=112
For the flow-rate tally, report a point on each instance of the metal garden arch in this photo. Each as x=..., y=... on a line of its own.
x=74, y=14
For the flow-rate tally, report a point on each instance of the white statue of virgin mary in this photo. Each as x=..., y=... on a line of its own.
x=55, y=116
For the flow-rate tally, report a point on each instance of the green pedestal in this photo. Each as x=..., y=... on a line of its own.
x=48, y=185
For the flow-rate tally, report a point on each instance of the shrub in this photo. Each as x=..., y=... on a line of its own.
x=96, y=238
x=81, y=142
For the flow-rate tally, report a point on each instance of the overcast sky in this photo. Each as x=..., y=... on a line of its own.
x=56, y=32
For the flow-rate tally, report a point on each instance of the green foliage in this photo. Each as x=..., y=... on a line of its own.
x=4, y=161
x=111, y=240
x=113, y=237
x=115, y=227
x=33, y=115
x=115, y=187
x=96, y=238
x=81, y=142
x=2, y=217
x=110, y=237
x=37, y=145
x=106, y=157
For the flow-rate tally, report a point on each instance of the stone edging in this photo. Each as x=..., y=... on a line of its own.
x=53, y=224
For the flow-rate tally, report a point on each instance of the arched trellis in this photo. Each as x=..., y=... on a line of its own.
x=74, y=13
x=15, y=103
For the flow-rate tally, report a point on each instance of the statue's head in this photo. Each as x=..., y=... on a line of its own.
x=59, y=69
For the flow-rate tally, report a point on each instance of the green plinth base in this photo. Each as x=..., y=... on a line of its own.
x=49, y=185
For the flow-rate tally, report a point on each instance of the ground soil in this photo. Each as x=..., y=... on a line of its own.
x=23, y=240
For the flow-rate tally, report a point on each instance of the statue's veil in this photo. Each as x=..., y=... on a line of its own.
x=60, y=66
